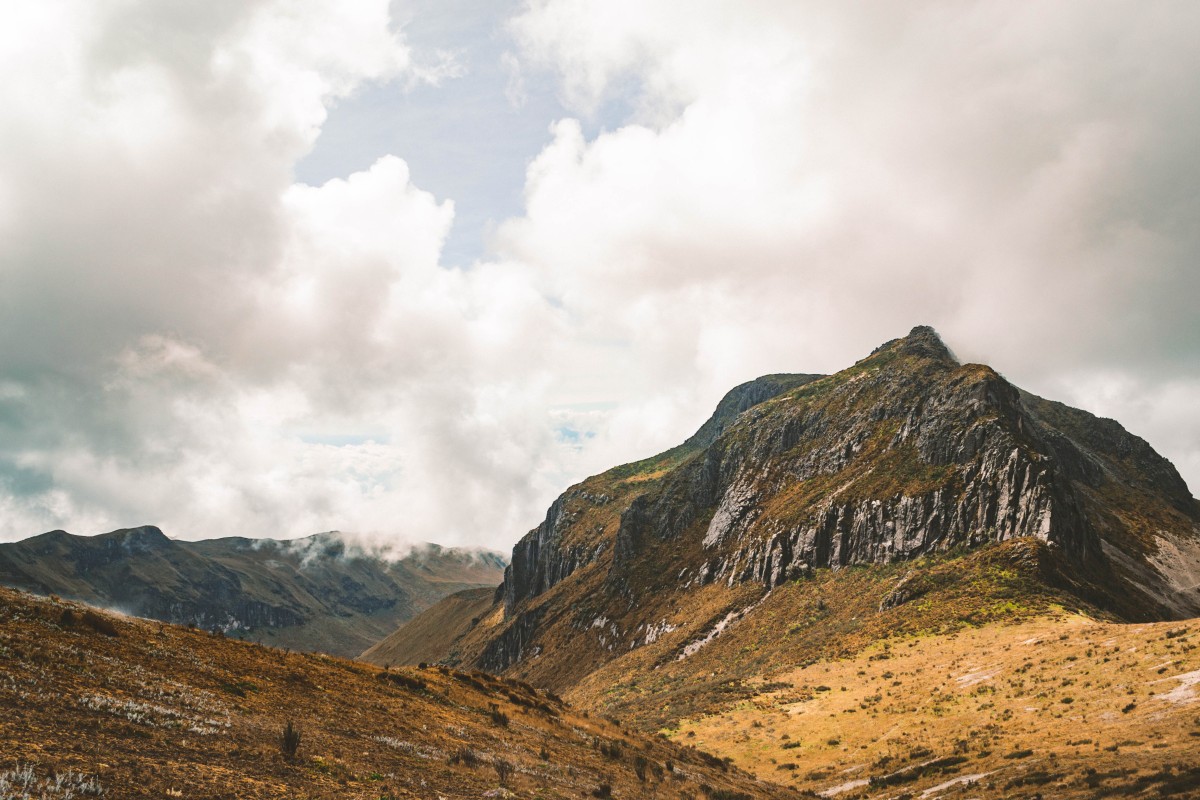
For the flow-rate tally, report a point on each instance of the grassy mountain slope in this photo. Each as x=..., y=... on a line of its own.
x=317, y=593
x=123, y=707
x=430, y=635
x=1061, y=705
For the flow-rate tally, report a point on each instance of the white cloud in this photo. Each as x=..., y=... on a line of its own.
x=800, y=181
x=190, y=338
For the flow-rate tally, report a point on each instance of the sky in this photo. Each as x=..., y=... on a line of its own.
x=408, y=270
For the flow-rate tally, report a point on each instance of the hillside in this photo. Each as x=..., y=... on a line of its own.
x=317, y=593
x=908, y=492
x=433, y=633
x=1060, y=706
x=100, y=705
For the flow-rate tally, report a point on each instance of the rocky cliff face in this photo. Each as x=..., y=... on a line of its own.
x=905, y=454
x=553, y=550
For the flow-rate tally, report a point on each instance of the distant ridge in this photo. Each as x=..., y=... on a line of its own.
x=316, y=593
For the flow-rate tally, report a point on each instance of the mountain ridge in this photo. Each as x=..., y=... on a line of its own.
x=320, y=592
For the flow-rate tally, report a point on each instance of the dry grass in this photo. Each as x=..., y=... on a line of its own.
x=160, y=711
x=1058, y=706
x=832, y=615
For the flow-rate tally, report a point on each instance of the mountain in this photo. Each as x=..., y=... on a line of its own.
x=317, y=593
x=430, y=635
x=102, y=705
x=915, y=489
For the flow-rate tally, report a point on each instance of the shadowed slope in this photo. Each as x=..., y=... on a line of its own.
x=316, y=593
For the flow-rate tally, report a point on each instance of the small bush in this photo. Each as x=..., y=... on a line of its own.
x=68, y=618
x=400, y=679
x=465, y=756
x=604, y=790
x=289, y=742
x=497, y=716
x=727, y=794
x=503, y=770
x=609, y=749
x=99, y=624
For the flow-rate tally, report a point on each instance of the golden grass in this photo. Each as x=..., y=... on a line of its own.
x=160, y=711
x=1062, y=705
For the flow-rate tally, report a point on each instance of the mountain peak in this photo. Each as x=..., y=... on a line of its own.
x=922, y=341
x=143, y=537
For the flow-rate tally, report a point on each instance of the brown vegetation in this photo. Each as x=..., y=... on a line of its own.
x=164, y=711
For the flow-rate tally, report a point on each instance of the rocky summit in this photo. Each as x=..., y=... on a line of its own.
x=906, y=456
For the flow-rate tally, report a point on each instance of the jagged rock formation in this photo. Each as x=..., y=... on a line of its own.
x=544, y=556
x=905, y=454
x=316, y=593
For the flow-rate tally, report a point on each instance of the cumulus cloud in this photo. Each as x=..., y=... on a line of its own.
x=191, y=338
x=800, y=181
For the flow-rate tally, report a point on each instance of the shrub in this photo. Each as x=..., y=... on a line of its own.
x=67, y=619
x=497, y=716
x=400, y=679
x=609, y=749
x=465, y=756
x=604, y=790
x=99, y=624
x=289, y=743
x=503, y=770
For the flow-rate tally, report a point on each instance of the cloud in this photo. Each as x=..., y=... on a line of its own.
x=800, y=181
x=186, y=331
x=189, y=337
